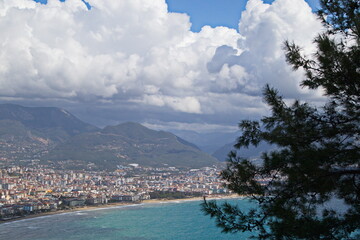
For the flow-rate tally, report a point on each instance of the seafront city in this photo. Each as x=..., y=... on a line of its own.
x=37, y=189
x=179, y=119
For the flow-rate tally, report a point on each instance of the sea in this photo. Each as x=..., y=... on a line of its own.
x=179, y=220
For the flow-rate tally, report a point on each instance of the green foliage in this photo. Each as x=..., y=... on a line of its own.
x=310, y=186
x=54, y=123
x=8, y=127
x=130, y=143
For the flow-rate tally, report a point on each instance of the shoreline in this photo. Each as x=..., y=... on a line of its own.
x=118, y=204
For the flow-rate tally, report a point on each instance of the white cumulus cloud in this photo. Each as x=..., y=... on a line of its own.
x=264, y=28
x=136, y=51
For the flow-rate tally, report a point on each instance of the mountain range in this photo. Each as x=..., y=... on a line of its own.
x=57, y=137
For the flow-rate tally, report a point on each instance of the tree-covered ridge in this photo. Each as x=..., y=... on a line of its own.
x=130, y=143
x=312, y=187
x=30, y=132
x=57, y=137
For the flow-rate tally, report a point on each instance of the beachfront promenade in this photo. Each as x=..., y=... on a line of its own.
x=33, y=190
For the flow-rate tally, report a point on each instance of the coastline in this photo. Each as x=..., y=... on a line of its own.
x=118, y=204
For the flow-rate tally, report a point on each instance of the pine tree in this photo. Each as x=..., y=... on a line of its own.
x=312, y=179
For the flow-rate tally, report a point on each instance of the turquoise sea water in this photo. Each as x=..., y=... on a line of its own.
x=158, y=221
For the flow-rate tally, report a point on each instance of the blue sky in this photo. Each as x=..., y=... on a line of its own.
x=215, y=12
x=209, y=12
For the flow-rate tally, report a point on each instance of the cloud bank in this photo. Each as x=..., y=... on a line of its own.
x=135, y=51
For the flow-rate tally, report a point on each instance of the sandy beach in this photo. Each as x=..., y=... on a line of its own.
x=212, y=197
x=117, y=204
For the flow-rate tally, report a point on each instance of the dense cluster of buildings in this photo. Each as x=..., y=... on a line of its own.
x=28, y=190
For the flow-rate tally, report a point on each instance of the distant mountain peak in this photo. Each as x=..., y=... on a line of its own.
x=55, y=135
x=49, y=119
x=65, y=112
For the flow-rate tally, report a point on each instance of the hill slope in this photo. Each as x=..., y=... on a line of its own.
x=55, y=135
x=130, y=143
x=29, y=133
x=54, y=123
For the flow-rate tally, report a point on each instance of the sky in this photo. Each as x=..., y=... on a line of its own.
x=186, y=66
x=216, y=12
